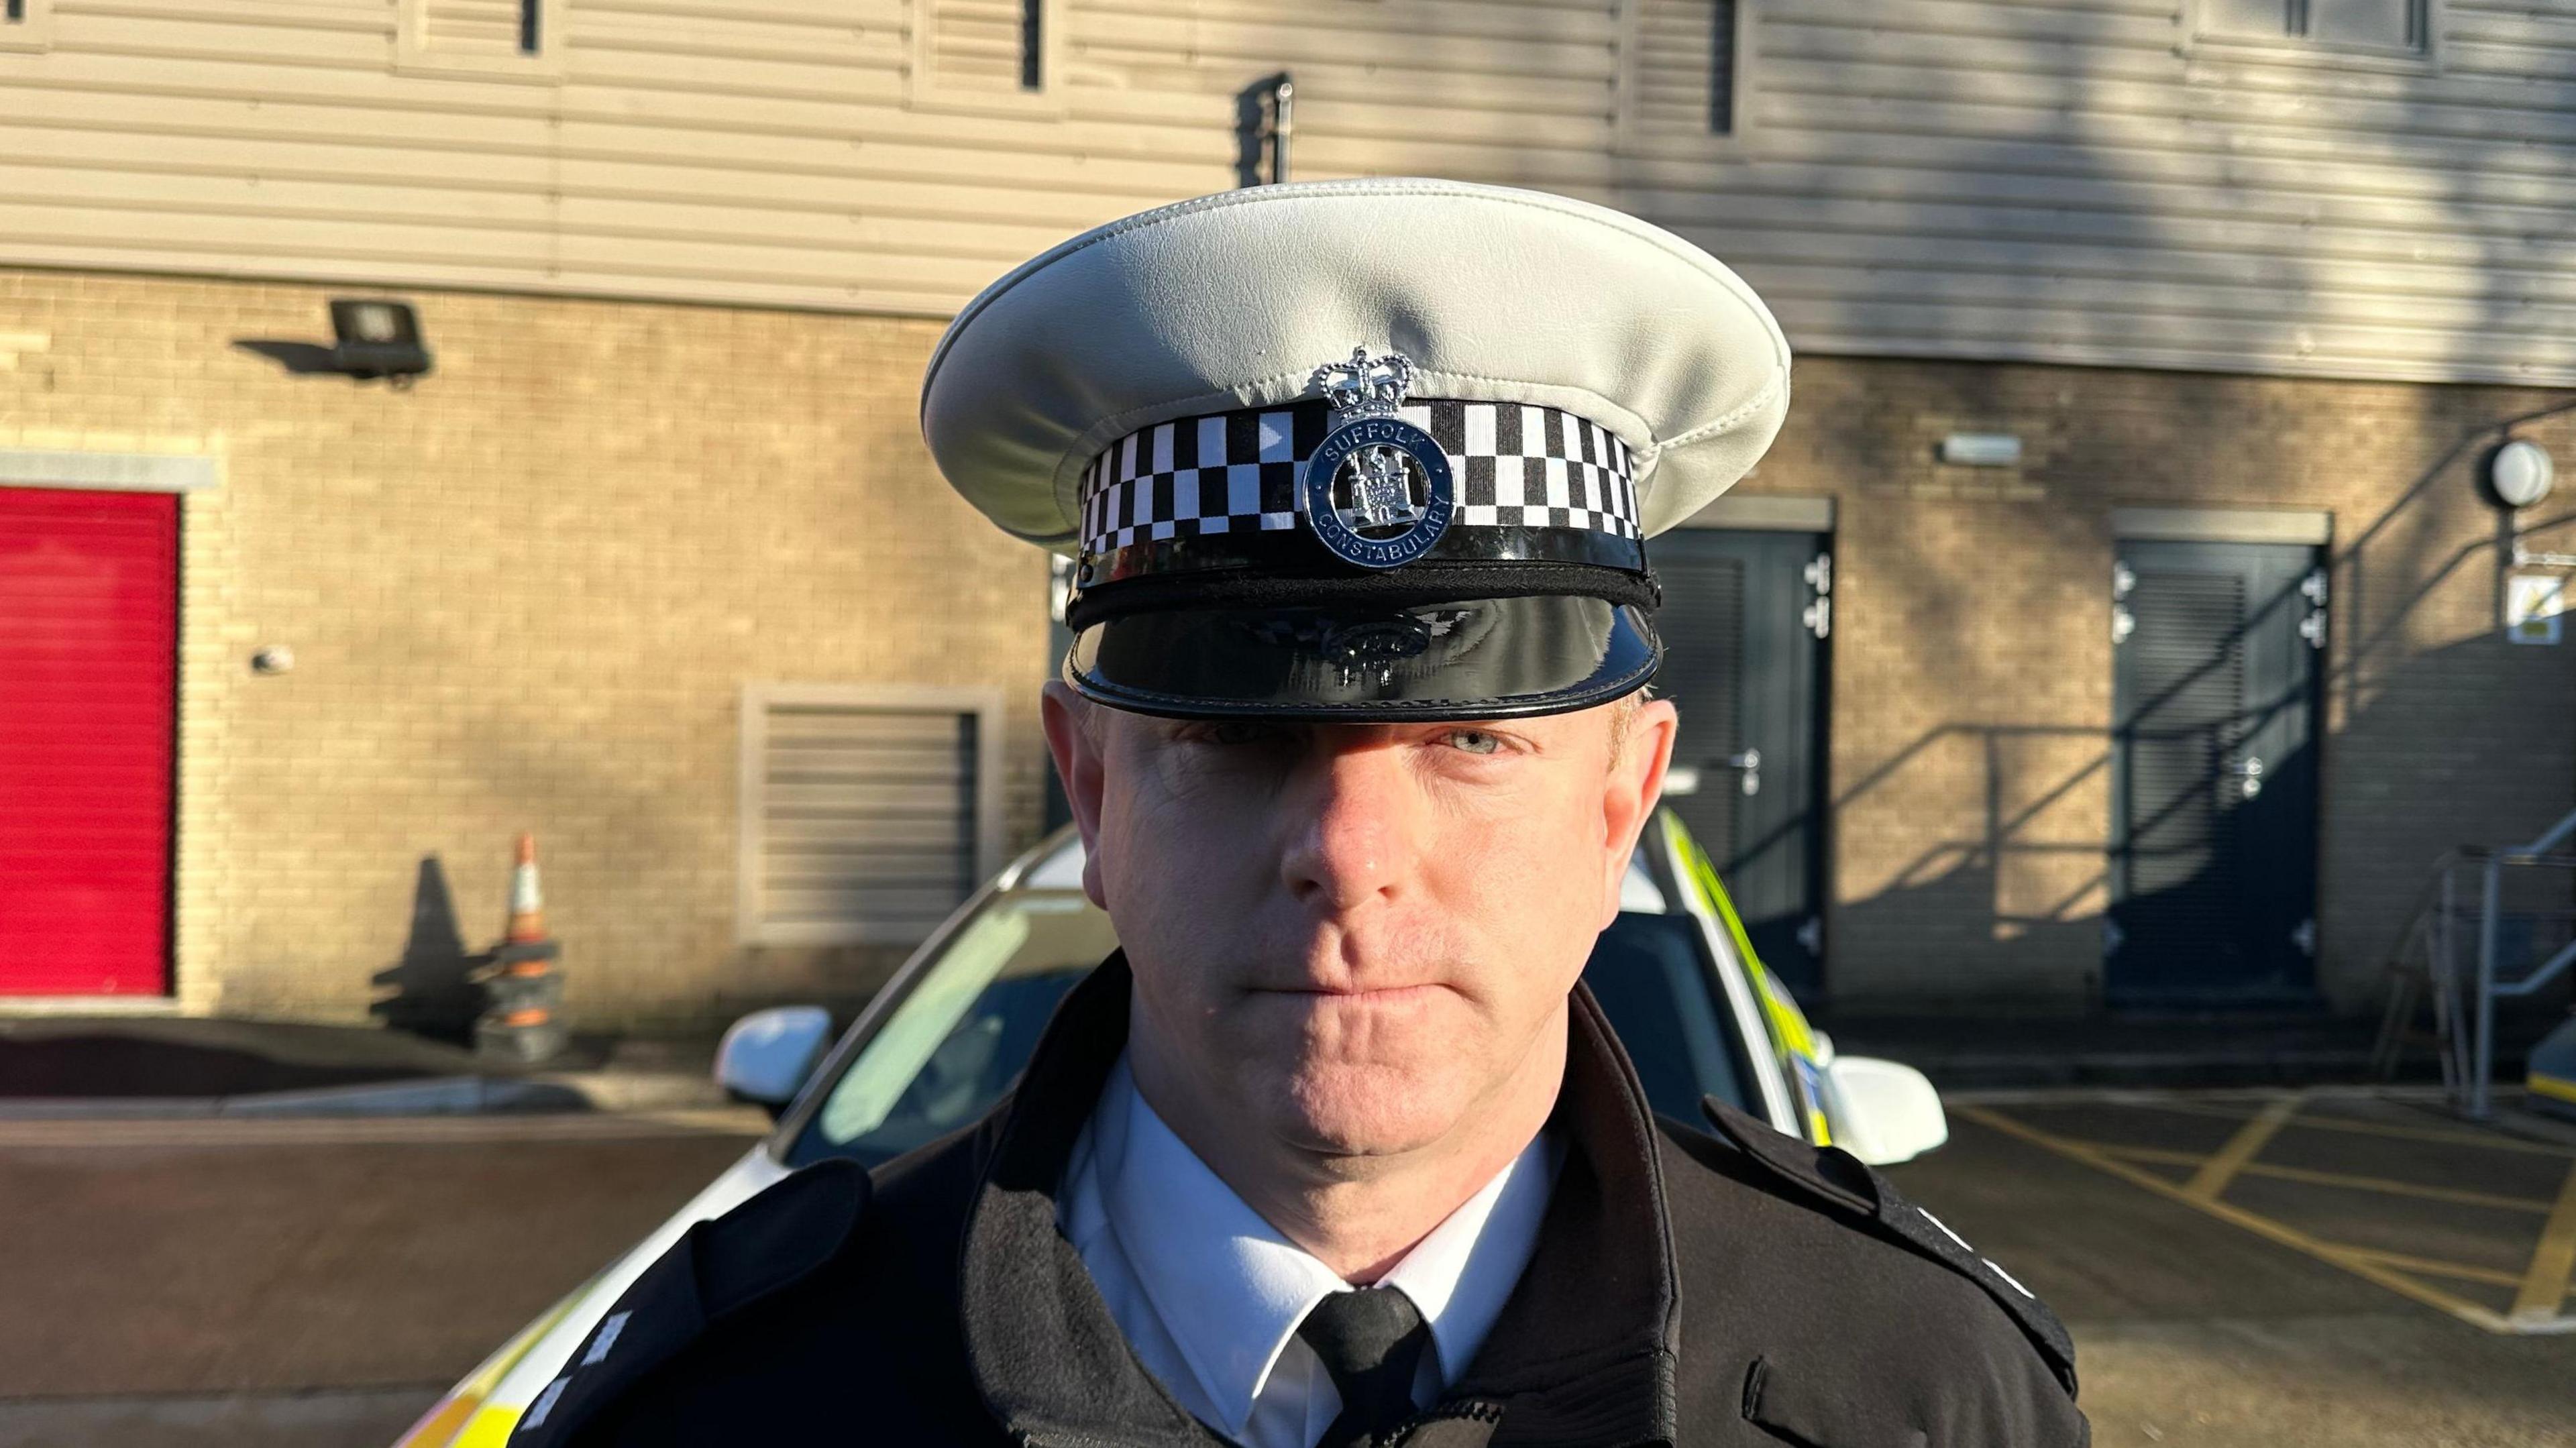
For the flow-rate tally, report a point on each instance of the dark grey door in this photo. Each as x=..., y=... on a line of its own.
x=2214, y=774
x=1744, y=621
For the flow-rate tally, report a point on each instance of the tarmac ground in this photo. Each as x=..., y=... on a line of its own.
x=305, y=1283
x=2273, y=1269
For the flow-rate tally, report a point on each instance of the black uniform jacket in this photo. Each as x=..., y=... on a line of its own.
x=1741, y=1288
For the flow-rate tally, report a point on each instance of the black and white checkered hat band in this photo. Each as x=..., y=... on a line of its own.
x=1516, y=465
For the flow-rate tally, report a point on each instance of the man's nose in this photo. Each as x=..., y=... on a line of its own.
x=1354, y=823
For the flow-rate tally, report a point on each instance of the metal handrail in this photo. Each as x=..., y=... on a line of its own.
x=2398, y=967
x=2559, y=834
x=2479, y=1105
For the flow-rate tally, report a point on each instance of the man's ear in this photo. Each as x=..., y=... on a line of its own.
x=1635, y=784
x=1074, y=742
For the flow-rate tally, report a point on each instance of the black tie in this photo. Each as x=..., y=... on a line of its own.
x=1371, y=1341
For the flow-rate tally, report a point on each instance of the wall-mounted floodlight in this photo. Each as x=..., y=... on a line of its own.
x=1981, y=450
x=2520, y=473
x=376, y=338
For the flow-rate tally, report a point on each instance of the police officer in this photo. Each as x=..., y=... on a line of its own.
x=1358, y=478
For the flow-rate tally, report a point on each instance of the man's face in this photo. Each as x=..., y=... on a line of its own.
x=1349, y=936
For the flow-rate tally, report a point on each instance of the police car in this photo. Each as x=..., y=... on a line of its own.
x=945, y=1038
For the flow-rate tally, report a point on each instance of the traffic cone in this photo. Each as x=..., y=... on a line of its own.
x=525, y=990
x=527, y=901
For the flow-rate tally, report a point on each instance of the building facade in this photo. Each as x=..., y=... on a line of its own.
x=2118, y=623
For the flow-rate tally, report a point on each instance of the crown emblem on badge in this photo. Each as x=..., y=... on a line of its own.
x=1364, y=386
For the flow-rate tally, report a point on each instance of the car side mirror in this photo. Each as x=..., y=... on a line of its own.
x=1889, y=1111
x=767, y=1055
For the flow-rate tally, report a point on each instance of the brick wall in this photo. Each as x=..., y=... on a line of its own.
x=526, y=594
x=522, y=595
x=1973, y=665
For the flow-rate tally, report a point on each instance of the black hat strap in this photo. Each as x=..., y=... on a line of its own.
x=1422, y=584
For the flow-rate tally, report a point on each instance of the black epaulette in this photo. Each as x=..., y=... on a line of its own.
x=1839, y=1180
x=715, y=1270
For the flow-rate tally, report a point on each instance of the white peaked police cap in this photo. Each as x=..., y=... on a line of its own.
x=1358, y=449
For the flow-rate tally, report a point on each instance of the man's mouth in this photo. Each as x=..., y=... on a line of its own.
x=1358, y=994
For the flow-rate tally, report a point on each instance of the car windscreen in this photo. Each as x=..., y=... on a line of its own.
x=1652, y=976
x=963, y=1029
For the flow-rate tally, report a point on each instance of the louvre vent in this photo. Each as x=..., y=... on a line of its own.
x=2397, y=25
x=480, y=27
x=863, y=820
x=988, y=46
x=26, y=25
x=1682, y=77
x=520, y=39
x=2186, y=659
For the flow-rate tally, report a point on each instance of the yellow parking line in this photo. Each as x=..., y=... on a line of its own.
x=2373, y=1128
x=2210, y=1182
x=2462, y=1270
x=2544, y=1284
x=2311, y=1177
x=2297, y=1241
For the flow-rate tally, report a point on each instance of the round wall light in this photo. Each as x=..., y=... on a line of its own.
x=2520, y=473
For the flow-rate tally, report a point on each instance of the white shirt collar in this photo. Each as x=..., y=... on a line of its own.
x=1229, y=1290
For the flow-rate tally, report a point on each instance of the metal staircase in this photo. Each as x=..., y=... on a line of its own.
x=2468, y=947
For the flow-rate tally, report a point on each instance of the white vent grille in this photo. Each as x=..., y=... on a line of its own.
x=993, y=47
x=868, y=814
x=477, y=27
x=26, y=25
x=2384, y=25
x=495, y=39
x=1682, y=74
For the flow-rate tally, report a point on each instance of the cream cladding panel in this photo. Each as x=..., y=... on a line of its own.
x=2109, y=181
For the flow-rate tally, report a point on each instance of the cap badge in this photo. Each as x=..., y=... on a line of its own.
x=1378, y=491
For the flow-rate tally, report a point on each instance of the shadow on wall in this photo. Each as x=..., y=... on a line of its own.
x=1257, y=132
x=2013, y=907
x=1960, y=910
x=2384, y=573
x=1955, y=898
x=433, y=993
x=1885, y=199
x=2392, y=698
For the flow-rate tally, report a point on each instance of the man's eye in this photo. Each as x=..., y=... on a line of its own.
x=1234, y=733
x=1476, y=741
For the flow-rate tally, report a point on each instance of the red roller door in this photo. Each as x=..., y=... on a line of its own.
x=88, y=663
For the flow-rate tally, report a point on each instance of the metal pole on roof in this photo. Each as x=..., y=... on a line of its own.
x=1283, y=99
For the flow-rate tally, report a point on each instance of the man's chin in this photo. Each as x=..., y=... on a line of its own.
x=1367, y=1111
